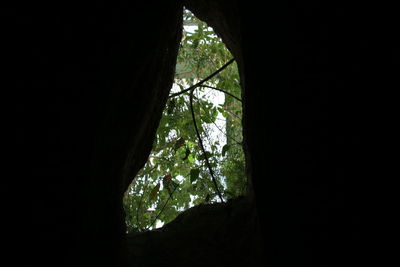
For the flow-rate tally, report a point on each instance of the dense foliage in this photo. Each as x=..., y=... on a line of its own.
x=176, y=175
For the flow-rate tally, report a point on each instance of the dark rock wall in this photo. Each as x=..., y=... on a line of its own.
x=221, y=234
x=92, y=78
x=97, y=79
x=316, y=122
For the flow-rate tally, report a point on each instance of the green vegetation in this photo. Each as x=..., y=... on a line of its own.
x=177, y=173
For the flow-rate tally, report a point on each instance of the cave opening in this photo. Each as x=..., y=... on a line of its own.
x=197, y=156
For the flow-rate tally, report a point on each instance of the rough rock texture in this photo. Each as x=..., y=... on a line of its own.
x=99, y=78
x=89, y=86
x=222, y=234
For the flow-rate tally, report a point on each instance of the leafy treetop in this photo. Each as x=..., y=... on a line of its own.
x=176, y=175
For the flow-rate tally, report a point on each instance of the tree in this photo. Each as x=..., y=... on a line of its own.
x=188, y=165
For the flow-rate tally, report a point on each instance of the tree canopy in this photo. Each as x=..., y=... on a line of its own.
x=197, y=155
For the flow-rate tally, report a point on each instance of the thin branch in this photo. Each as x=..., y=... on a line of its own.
x=204, y=80
x=141, y=197
x=228, y=136
x=223, y=91
x=169, y=145
x=191, y=89
x=140, y=203
x=234, y=116
x=203, y=149
x=139, y=206
x=163, y=208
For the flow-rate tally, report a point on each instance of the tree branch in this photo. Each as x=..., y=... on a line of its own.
x=234, y=116
x=138, y=208
x=223, y=91
x=163, y=208
x=216, y=126
x=140, y=204
x=204, y=80
x=191, y=89
x=228, y=136
x=203, y=149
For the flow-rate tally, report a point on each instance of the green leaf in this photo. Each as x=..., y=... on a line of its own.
x=167, y=180
x=154, y=192
x=180, y=142
x=187, y=153
x=171, y=106
x=175, y=150
x=206, y=119
x=194, y=175
x=225, y=148
x=202, y=156
x=195, y=43
x=191, y=158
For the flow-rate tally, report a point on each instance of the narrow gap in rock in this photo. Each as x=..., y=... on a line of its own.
x=197, y=156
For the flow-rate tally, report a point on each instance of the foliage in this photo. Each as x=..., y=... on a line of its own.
x=175, y=176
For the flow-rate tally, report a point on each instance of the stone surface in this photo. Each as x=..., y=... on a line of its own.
x=221, y=234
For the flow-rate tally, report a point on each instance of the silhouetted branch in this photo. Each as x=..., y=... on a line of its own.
x=140, y=204
x=223, y=91
x=203, y=81
x=163, y=208
x=203, y=149
x=228, y=136
x=219, y=129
